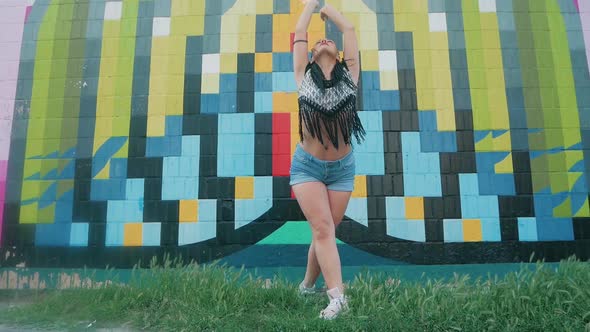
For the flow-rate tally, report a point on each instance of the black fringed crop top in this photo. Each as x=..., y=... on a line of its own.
x=329, y=106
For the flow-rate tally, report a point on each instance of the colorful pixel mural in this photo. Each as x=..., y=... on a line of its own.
x=142, y=127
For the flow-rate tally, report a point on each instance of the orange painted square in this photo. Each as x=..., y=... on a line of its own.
x=244, y=188
x=284, y=102
x=360, y=186
x=132, y=235
x=189, y=211
x=415, y=208
x=472, y=230
x=263, y=62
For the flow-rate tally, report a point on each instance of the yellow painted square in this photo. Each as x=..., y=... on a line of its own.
x=46, y=215
x=445, y=117
x=156, y=126
x=472, y=230
x=370, y=60
x=414, y=208
x=229, y=63
x=504, y=166
x=188, y=211
x=316, y=25
x=264, y=7
x=229, y=42
x=28, y=213
x=280, y=23
x=244, y=187
x=281, y=43
x=360, y=186
x=210, y=83
x=439, y=41
x=389, y=80
x=103, y=126
x=160, y=46
x=158, y=84
x=247, y=43
x=263, y=62
x=133, y=236
x=157, y=104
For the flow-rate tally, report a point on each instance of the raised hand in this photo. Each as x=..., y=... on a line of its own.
x=314, y=3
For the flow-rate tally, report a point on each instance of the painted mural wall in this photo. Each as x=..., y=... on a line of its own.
x=141, y=127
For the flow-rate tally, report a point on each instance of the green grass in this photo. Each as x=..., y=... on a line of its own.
x=216, y=298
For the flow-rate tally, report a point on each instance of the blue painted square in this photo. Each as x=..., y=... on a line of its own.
x=389, y=101
x=173, y=146
x=453, y=230
x=191, y=146
x=180, y=188
x=395, y=208
x=210, y=103
x=103, y=190
x=470, y=207
x=370, y=81
x=357, y=211
x=79, y=234
x=189, y=233
x=207, y=210
x=115, y=233
x=155, y=147
x=263, y=187
x=64, y=208
x=469, y=184
x=118, y=169
x=228, y=102
x=543, y=205
x=263, y=82
x=228, y=83
x=283, y=82
x=171, y=167
x=370, y=154
x=134, y=189
x=188, y=166
x=416, y=230
x=397, y=228
x=371, y=100
x=438, y=141
x=151, y=234
x=555, y=229
x=174, y=125
x=282, y=62
x=116, y=211
x=527, y=229
x=52, y=235
x=427, y=121
x=236, y=124
x=263, y=102
x=490, y=228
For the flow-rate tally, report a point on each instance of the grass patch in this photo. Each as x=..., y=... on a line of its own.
x=173, y=297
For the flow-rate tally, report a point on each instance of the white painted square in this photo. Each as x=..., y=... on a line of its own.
x=113, y=10
x=387, y=60
x=487, y=6
x=161, y=26
x=438, y=22
x=211, y=64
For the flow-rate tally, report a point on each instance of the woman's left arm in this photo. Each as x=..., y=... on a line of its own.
x=351, y=49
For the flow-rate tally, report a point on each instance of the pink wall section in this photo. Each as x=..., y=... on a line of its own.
x=12, y=20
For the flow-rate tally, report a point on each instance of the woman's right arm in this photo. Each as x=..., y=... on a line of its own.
x=300, y=44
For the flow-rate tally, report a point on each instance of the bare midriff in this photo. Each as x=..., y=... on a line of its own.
x=325, y=151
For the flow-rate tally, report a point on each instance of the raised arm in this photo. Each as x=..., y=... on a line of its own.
x=300, y=44
x=351, y=49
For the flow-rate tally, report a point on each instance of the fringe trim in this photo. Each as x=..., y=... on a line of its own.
x=345, y=120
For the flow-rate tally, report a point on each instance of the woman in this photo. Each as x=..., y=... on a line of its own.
x=323, y=166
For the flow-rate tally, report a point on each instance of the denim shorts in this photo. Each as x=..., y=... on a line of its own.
x=337, y=175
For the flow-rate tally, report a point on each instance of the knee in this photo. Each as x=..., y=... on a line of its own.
x=323, y=229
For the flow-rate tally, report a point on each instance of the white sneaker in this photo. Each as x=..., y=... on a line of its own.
x=303, y=290
x=338, y=304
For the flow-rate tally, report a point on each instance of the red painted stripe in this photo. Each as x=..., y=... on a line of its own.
x=281, y=144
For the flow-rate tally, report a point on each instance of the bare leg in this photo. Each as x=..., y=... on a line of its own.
x=314, y=201
x=338, y=203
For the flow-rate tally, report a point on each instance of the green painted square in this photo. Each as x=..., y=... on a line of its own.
x=559, y=183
